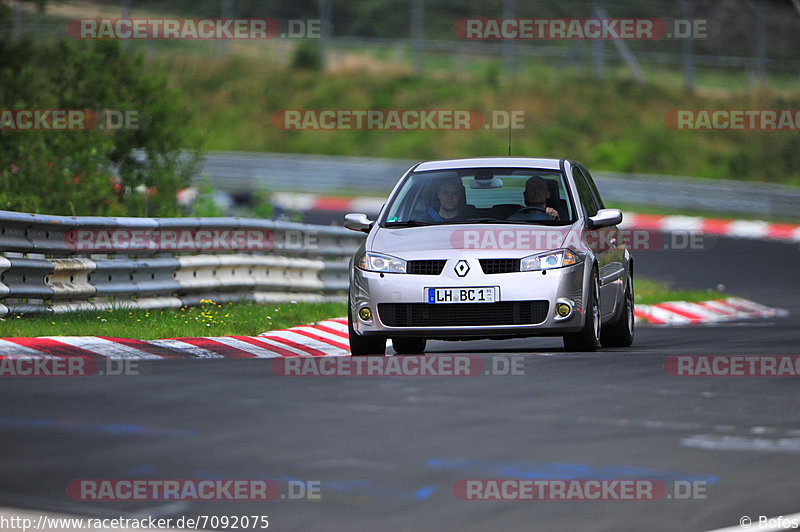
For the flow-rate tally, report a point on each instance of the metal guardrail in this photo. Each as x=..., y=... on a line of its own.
x=63, y=264
x=242, y=173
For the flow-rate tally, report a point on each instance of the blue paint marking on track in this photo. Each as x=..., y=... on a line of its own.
x=142, y=470
x=562, y=470
x=349, y=488
x=124, y=429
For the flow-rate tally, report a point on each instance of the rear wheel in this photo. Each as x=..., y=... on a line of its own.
x=364, y=345
x=621, y=332
x=589, y=337
x=409, y=346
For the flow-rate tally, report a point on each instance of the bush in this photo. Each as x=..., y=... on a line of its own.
x=97, y=172
x=307, y=57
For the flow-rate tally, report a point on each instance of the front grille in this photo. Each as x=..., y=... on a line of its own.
x=463, y=314
x=425, y=267
x=499, y=265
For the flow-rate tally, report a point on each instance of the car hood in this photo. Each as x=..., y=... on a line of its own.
x=516, y=240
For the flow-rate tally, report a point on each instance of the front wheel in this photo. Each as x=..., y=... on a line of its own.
x=621, y=332
x=409, y=346
x=364, y=345
x=588, y=338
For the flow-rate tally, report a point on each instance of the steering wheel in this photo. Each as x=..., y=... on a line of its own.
x=526, y=210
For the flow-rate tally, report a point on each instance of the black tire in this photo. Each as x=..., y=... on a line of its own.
x=621, y=332
x=588, y=338
x=409, y=346
x=361, y=346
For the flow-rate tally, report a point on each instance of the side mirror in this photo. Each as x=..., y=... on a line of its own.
x=605, y=218
x=358, y=221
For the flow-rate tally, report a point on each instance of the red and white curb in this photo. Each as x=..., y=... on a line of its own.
x=654, y=222
x=313, y=202
x=326, y=338
x=751, y=229
x=704, y=312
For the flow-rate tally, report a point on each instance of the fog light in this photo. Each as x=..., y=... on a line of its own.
x=563, y=310
x=365, y=314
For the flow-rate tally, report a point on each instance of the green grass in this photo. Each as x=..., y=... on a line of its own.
x=237, y=319
x=651, y=291
x=209, y=319
x=614, y=125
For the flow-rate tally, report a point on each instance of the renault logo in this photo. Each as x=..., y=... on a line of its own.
x=462, y=268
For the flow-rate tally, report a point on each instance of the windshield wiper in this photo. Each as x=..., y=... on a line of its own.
x=407, y=223
x=513, y=222
x=484, y=221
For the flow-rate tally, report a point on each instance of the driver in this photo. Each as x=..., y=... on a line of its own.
x=536, y=195
x=452, y=201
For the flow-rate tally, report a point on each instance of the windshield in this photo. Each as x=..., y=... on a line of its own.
x=482, y=195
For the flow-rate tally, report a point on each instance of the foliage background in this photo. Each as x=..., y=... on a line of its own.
x=112, y=173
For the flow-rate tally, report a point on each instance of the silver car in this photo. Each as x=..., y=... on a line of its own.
x=498, y=247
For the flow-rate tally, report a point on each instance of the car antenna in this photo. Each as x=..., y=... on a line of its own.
x=509, y=139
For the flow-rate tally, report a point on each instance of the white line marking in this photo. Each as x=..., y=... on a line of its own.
x=68, y=522
x=714, y=442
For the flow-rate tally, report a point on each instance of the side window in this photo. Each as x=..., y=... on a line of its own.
x=584, y=192
x=590, y=180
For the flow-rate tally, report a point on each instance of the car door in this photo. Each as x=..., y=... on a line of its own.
x=604, y=241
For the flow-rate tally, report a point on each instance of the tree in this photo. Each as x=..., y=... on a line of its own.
x=97, y=172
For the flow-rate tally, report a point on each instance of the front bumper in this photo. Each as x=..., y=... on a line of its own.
x=561, y=285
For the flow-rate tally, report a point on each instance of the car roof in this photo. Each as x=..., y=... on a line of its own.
x=490, y=162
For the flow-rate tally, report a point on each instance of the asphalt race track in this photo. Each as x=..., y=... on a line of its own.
x=388, y=451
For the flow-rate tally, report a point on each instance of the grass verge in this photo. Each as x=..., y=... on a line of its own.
x=615, y=125
x=238, y=319
x=209, y=319
x=651, y=291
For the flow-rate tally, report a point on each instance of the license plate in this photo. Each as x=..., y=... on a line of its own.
x=481, y=294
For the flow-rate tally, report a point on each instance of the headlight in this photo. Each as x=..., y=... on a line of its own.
x=549, y=260
x=375, y=262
